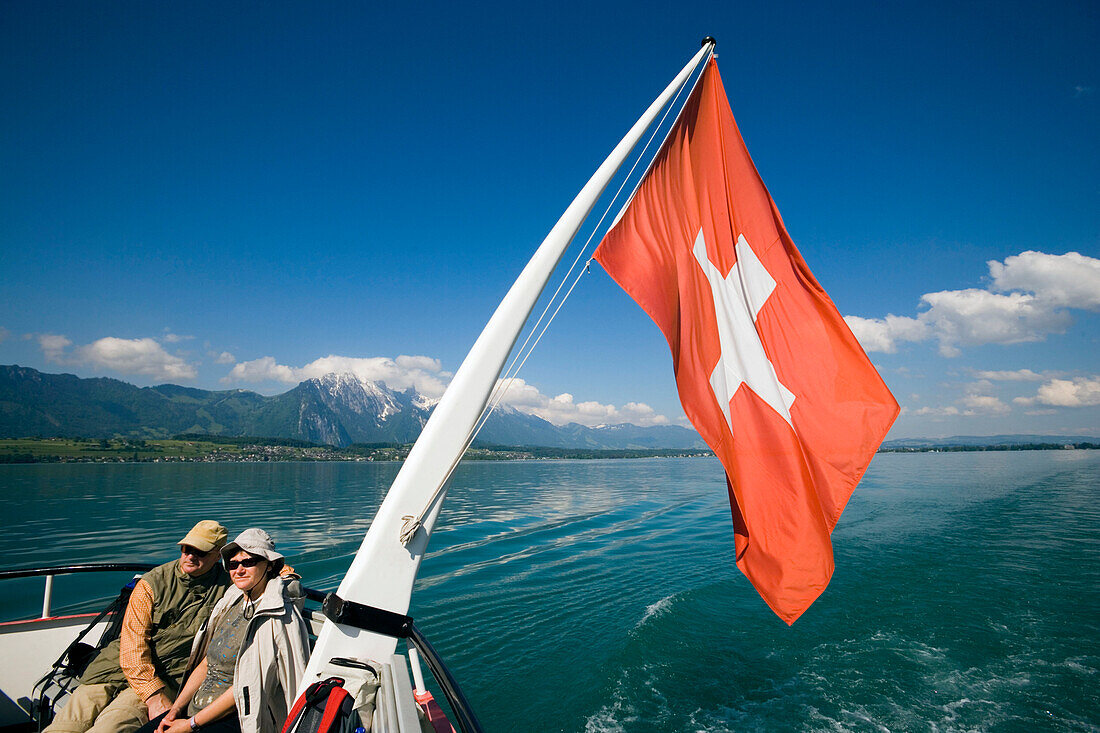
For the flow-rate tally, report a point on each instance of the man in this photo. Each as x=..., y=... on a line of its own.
x=136, y=677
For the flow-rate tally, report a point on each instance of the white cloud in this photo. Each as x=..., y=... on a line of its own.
x=978, y=404
x=883, y=334
x=973, y=317
x=134, y=356
x=422, y=372
x=263, y=369
x=173, y=338
x=1078, y=392
x=127, y=356
x=1027, y=301
x=935, y=411
x=562, y=409
x=422, y=363
x=1020, y=375
x=1071, y=280
x=53, y=346
x=223, y=358
x=979, y=401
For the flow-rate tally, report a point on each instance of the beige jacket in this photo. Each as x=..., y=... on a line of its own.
x=271, y=661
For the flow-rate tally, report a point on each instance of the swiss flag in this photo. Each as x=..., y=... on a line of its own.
x=767, y=370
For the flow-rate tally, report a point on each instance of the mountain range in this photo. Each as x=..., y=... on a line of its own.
x=336, y=409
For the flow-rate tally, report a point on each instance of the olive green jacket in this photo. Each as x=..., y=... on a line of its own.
x=181, y=604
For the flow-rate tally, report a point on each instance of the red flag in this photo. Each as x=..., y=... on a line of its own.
x=767, y=370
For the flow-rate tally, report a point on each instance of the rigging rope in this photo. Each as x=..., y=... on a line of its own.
x=412, y=523
x=521, y=355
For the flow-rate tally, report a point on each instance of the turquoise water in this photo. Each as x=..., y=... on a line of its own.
x=602, y=595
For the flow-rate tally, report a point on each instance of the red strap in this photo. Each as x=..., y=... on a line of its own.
x=295, y=711
x=305, y=698
x=332, y=709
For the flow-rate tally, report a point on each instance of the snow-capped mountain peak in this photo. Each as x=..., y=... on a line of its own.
x=361, y=396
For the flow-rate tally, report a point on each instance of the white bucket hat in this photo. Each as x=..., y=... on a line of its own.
x=254, y=541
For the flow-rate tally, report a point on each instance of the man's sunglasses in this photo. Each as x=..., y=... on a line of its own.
x=194, y=551
x=248, y=562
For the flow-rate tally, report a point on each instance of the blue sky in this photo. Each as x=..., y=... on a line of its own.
x=233, y=195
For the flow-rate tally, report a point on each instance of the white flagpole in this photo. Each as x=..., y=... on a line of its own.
x=382, y=573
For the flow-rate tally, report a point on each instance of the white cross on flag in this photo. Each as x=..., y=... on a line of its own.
x=767, y=370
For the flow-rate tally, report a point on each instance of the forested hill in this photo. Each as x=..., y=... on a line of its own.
x=337, y=409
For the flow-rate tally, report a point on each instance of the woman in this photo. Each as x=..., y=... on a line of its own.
x=248, y=659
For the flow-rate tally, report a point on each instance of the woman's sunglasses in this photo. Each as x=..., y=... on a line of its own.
x=248, y=562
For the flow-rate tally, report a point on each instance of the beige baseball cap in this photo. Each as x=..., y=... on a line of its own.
x=207, y=535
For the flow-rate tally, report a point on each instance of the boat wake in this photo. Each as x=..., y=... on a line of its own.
x=655, y=609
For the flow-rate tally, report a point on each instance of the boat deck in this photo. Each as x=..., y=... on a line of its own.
x=29, y=649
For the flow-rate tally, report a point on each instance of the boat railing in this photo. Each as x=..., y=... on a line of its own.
x=419, y=646
x=51, y=572
x=415, y=639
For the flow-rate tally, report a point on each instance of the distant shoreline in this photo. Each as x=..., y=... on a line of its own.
x=992, y=447
x=218, y=449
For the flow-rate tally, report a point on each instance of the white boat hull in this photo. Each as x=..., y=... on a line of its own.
x=28, y=650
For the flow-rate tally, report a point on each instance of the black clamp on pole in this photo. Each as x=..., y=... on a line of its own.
x=368, y=618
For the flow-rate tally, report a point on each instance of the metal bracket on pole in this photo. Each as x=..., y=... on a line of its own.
x=368, y=618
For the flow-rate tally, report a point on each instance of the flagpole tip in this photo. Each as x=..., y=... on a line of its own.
x=708, y=39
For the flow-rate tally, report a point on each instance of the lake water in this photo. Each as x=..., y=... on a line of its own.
x=602, y=595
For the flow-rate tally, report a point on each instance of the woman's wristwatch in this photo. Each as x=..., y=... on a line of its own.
x=194, y=723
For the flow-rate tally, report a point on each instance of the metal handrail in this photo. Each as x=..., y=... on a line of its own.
x=467, y=720
x=50, y=572
x=91, y=567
